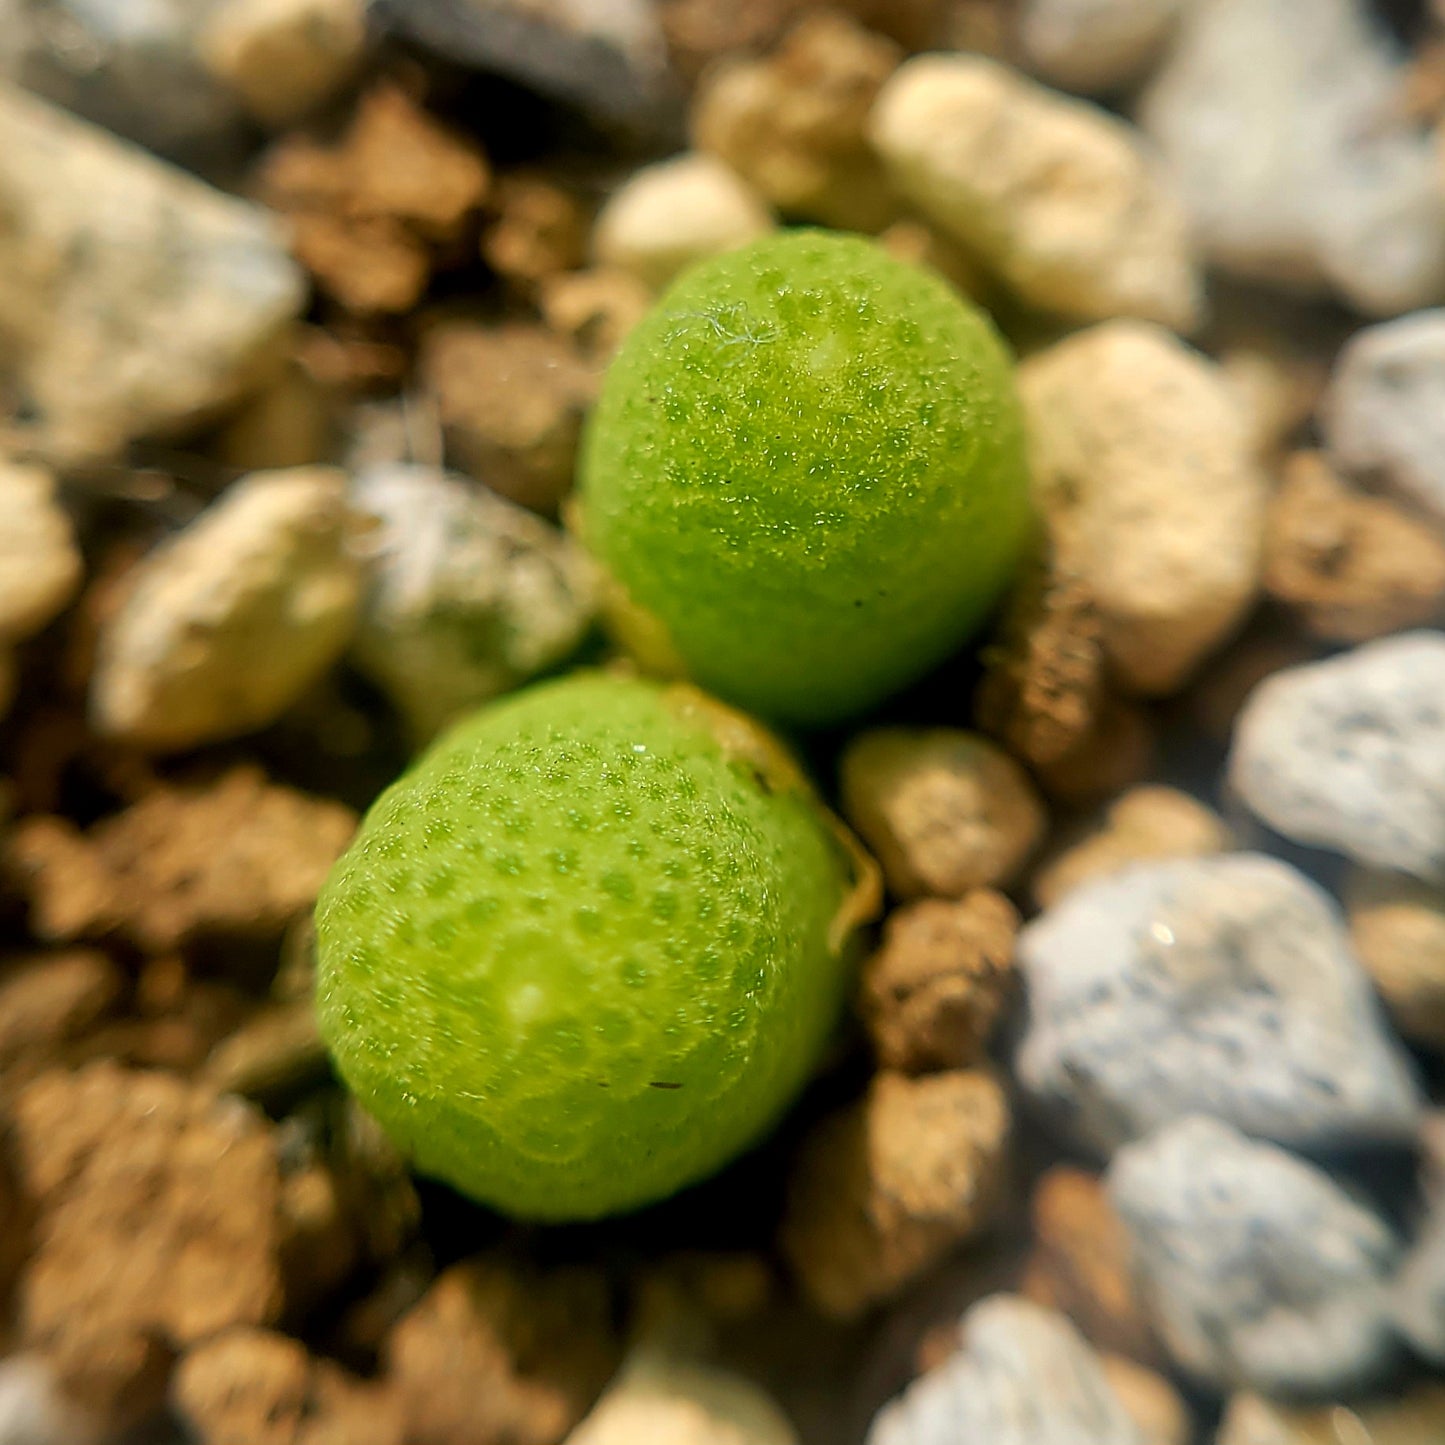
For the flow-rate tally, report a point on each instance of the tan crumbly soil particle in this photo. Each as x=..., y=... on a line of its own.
x=933, y=991
x=237, y=856
x=46, y=1000
x=1118, y=752
x=885, y=1188
x=1043, y=684
x=1080, y=1263
x=539, y=231
x=494, y=1353
x=795, y=124
x=511, y=400
x=370, y=214
x=156, y=1225
x=699, y=31
x=1351, y=565
x=255, y=1387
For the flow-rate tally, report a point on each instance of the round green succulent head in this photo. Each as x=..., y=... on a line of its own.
x=805, y=476
x=589, y=947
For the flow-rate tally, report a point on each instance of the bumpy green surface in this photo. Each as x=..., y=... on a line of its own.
x=579, y=957
x=807, y=465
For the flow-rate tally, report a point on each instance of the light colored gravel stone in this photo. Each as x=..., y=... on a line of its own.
x=284, y=58
x=1021, y=1375
x=466, y=596
x=1057, y=197
x=1282, y=125
x=222, y=628
x=1145, y=476
x=1148, y=823
x=1349, y=754
x=1258, y=1268
x=661, y=1400
x=1213, y=985
x=1384, y=412
x=943, y=811
x=39, y=562
x=668, y=215
x=134, y=298
x=1095, y=46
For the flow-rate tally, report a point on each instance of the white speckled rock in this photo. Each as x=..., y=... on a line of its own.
x=1060, y=199
x=1258, y=1269
x=467, y=595
x=1384, y=413
x=1022, y=1375
x=1144, y=473
x=1212, y=985
x=659, y=1400
x=668, y=215
x=283, y=58
x=223, y=627
x=1281, y=124
x=1095, y=45
x=1349, y=753
x=134, y=298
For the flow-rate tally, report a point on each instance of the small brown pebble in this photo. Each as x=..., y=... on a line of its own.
x=1397, y=925
x=319, y=1239
x=1411, y=1418
x=1145, y=824
x=511, y=400
x=156, y=1226
x=1153, y=1404
x=494, y=1353
x=1080, y=1263
x=595, y=308
x=1353, y=566
x=540, y=230
x=931, y=994
x=368, y=213
x=1116, y=753
x=290, y=423
x=237, y=856
x=794, y=124
x=256, y=1387
x=1043, y=685
x=275, y=1051
x=885, y=1188
x=47, y=999
x=943, y=811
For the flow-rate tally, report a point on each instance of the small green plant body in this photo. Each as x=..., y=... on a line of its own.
x=805, y=476
x=589, y=947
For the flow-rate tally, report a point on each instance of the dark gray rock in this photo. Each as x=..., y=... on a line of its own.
x=605, y=59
